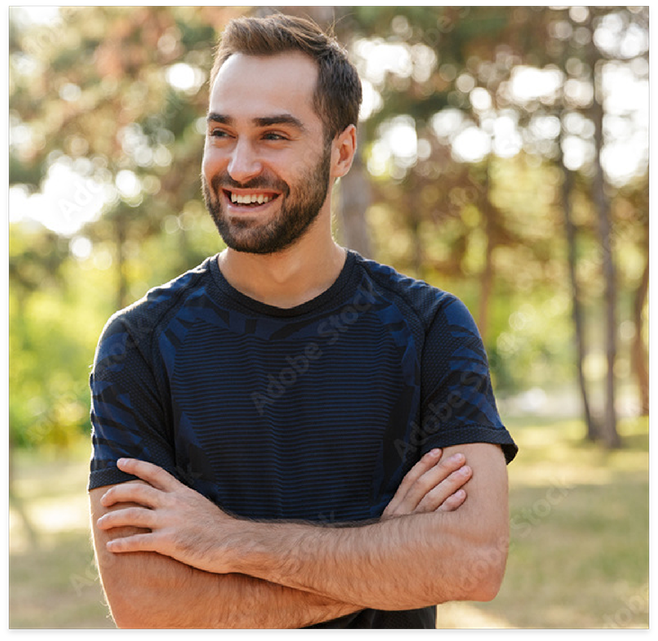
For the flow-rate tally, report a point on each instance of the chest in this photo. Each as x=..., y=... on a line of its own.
x=295, y=422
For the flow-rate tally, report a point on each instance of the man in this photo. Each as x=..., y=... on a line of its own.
x=280, y=434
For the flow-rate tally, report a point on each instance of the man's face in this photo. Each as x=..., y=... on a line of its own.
x=266, y=167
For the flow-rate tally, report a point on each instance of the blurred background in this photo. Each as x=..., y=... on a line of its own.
x=503, y=157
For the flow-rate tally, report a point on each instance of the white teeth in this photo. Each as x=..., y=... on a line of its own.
x=248, y=199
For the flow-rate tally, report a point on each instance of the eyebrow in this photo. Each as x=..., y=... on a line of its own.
x=264, y=121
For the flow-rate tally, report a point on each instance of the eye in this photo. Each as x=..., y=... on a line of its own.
x=217, y=133
x=274, y=136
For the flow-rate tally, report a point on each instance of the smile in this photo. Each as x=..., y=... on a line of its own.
x=250, y=198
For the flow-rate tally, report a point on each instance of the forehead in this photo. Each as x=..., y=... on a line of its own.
x=248, y=87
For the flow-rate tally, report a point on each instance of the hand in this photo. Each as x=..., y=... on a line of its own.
x=183, y=524
x=434, y=484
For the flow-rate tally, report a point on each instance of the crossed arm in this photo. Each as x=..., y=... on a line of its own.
x=174, y=559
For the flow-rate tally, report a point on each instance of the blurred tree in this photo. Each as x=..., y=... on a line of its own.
x=585, y=46
x=516, y=83
x=105, y=150
x=121, y=112
x=434, y=61
x=478, y=141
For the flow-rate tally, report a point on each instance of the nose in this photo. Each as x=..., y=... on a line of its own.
x=244, y=163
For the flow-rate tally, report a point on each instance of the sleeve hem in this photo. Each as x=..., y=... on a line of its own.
x=108, y=476
x=475, y=434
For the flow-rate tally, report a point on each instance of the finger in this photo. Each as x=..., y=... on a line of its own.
x=426, y=463
x=453, y=502
x=148, y=472
x=134, y=543
x=130, y=516
x=136, y=492
x=431, y=479
x=435, y=497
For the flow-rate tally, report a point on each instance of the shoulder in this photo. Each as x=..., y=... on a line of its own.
x=141, y=319
x=427, y=302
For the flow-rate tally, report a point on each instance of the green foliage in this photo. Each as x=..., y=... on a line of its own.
x=53, y=331
x=94, y=96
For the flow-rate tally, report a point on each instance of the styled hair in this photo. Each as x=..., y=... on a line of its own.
x=337, y=96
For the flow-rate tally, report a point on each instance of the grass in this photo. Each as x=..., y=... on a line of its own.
x=579, y=555
x=53, y=582
x=579, y=552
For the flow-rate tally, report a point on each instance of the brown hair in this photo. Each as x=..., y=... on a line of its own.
x=337, y=95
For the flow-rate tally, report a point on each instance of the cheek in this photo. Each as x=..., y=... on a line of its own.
x=211, y=162
x=205, y=164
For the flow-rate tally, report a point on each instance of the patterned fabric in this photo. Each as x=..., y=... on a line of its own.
x=315, y=412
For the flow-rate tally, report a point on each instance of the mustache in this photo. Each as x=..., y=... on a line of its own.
x=224, y=181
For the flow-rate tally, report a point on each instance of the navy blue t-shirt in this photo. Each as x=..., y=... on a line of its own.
x=315, y=412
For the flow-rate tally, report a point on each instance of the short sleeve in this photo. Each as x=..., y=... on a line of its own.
x=128, y=414
x=458, y=404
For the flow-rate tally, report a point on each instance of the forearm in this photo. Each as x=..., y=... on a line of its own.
x=159, y=592
x=403, y=563
x=149, y=590
x=164, y=593
x=406, y=562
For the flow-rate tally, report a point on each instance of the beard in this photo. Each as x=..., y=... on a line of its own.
x=299, y=208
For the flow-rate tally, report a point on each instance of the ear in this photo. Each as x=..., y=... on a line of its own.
x=343, y=151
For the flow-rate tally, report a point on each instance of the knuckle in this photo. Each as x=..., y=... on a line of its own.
x=424, y=483
x=449, y=465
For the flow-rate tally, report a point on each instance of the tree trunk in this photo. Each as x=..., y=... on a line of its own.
x=602, y=206
x=639, y=348
x=487, y=276
x=486, y=285
x=576, y=308
x=355, y=197
x=122, y=286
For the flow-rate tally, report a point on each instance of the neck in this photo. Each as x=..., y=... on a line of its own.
x=288, y=278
